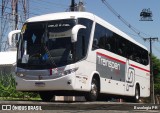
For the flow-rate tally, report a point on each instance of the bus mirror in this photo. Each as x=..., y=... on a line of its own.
x=75, y=30
x=11, y=36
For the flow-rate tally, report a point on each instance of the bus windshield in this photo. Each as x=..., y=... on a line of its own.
x=45, y=45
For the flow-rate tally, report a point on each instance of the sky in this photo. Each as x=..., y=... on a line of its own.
x=128, y=9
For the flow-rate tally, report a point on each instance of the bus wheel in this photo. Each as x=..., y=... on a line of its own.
x=137, y=94
x=93, y=94
x=46, y=96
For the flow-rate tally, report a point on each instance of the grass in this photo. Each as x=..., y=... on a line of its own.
x=18, y=99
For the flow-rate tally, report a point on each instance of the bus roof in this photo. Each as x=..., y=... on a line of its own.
x=75, y=15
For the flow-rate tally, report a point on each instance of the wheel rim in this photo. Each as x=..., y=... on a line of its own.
x=137, y=94
x=94, y=89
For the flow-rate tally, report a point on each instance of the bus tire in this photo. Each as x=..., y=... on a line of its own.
x=137, y=94
x=46, y=96
x=93, y=94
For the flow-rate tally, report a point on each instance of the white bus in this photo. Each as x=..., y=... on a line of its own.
x=78, y=53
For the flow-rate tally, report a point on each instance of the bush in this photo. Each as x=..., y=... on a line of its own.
x=157, y=88
x=8, y=88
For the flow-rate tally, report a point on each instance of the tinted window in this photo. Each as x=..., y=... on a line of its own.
x=46, y=44
x=108, y=40
x=104, y=39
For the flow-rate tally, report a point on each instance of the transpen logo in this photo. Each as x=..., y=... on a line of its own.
x=107, y=63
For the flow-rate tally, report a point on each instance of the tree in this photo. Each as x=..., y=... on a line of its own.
x=156, y=74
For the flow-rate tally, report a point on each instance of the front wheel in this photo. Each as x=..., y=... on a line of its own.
x=93, y=94
x=46, y=96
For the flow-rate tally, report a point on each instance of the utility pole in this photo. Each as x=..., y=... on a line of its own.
x=13, y=14
x=77, y=7
x=72, y=7
x=151, y=69
x=146, y=15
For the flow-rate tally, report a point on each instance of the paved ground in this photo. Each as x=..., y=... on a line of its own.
x=76, y=107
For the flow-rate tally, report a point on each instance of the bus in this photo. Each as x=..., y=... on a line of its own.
x=78, y=53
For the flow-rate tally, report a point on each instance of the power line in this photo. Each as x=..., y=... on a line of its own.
x=123, y=20
x=145, y=39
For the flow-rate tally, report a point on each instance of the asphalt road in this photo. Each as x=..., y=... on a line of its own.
x=76, y=107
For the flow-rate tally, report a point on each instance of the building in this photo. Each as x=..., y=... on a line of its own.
x=7, y=62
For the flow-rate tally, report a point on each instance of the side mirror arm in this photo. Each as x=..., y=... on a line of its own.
x=75, y=30
x=10, y=36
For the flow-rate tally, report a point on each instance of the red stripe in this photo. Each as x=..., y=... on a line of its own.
x=122, y=62
x=111, y=58
x=140, y=68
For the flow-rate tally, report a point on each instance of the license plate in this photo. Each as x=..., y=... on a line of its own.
x=40, y=84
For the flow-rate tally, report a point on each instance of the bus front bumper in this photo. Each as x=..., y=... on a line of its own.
x=63, y=83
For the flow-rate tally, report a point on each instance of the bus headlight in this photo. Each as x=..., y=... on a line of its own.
x=69, y=71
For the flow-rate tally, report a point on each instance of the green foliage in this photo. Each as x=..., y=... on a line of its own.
x=156, y=67
x=156, y=74
x=157, y=88
x=8, y=88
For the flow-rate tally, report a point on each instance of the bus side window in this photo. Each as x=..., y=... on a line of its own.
x=122, y=46
x=102, y=42
x=111, y=44
x=99, y=38
x=95, y=44
x=108, y=47
x=120, y=52
x=144, y=57
x=130, y=51
x=137, y=59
